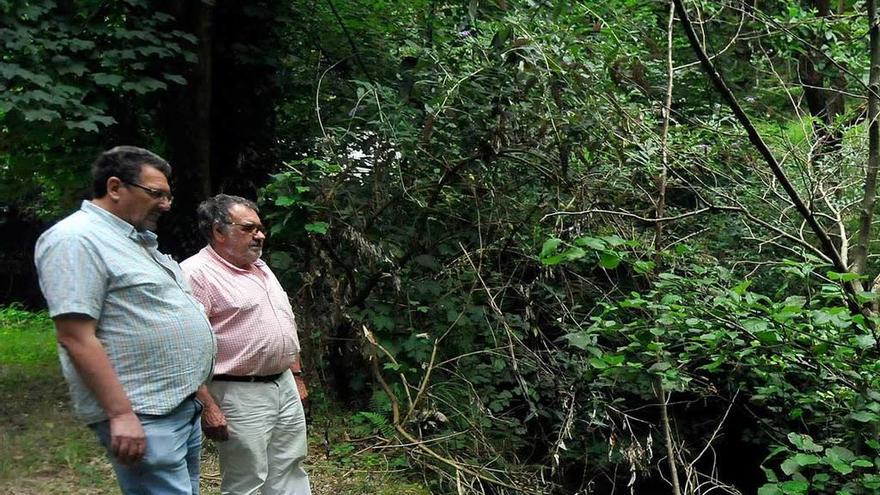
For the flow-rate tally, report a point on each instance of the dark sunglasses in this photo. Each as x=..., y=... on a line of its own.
x=154, y=193
x=249, y=228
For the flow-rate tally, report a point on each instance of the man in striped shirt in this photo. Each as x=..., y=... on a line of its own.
x=252, y=405
x=134, y=344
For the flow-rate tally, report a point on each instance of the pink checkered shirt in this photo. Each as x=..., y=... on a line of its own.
x=249, y=312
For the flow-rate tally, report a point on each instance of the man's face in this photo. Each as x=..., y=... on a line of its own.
x=240, y=242
x=139, y=205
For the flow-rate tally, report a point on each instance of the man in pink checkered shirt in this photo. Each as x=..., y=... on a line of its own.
x=252, y=405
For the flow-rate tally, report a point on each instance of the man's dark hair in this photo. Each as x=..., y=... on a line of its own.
x=124, y=162
x=215, y=211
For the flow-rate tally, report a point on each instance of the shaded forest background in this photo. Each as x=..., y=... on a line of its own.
x=539, y=247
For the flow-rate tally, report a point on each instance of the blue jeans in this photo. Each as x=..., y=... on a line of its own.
x=171, y=463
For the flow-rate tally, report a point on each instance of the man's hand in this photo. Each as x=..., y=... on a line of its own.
x=214, y=423
x=128, y=442
x=301, y=387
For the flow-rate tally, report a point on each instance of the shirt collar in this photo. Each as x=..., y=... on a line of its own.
x=115, y=223
x=256, y=267
x=147, y=238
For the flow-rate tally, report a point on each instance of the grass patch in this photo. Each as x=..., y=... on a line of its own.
x=45, y=450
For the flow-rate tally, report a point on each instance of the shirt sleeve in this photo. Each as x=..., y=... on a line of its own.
x=72, y=275
x=196, y=283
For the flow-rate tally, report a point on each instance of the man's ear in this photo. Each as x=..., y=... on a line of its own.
x=113, y=185
x=217, y=232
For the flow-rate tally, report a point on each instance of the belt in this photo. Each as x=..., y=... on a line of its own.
x=249, y=379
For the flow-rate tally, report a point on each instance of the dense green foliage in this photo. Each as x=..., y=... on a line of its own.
x=511, y=254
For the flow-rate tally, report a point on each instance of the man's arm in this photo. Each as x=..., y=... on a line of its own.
x=213, y=419
x=296, y=369
x=76, y=333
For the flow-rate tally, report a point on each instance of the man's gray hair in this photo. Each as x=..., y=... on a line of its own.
x=215, y=211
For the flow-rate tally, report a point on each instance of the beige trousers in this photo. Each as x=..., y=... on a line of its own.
x=267, y=438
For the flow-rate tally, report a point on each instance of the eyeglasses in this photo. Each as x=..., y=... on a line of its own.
x=154, y=193
x=250, y=228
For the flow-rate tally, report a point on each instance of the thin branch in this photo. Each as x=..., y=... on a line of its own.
x=827, y=245
x=860, y=254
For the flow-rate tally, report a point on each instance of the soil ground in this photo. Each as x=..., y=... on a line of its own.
x=44, y=450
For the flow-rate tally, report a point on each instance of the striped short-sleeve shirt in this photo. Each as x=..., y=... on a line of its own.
x=155, y=333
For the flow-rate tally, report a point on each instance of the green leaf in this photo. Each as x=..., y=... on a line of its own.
x=768, y=337
x=754, y=325
x=84, y=125
x=175, y=79
x=790, y=466
x=280, y=260
x=317, y=227
x=795, y=487
x=864, y=416
x=598, y=363
x=741, y=287
x=806, y=459
x=843, y=277
x=573, y=253
x=643, y=266
x=581, y=340
x=550, y=246
x=613, y=240
x=285, y=200
x=41, y=114
x=840, y=453
x=102, y=79
x=769, y=489
x=865, y=341
x=804, y=442
x=659, y=367
x=106, y=120
x=591, y=242
x=609, y=260
x=841, y=467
